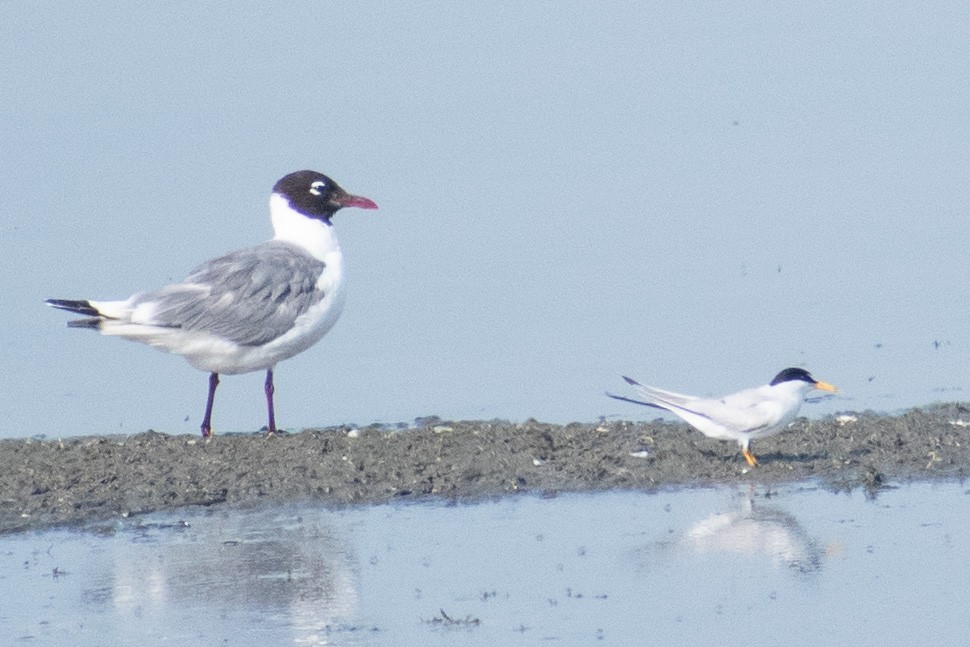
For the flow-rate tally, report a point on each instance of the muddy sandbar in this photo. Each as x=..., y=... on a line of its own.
x=51, y=481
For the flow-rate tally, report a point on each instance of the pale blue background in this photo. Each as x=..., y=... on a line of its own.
x=696, y=195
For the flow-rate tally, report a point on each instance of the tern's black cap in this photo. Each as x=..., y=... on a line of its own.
x=793, y=375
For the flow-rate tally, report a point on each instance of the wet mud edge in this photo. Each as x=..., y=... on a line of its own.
x=48, y=481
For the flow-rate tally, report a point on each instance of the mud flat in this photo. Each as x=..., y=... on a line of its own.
x=46, y=481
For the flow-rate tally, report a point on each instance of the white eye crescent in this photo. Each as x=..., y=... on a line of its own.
x=318, y=187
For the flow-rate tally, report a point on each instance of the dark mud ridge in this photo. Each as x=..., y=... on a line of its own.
x=45, y=481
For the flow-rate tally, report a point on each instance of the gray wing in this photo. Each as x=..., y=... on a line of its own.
x=250, y=296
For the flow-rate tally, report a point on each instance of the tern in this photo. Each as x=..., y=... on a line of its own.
x=743, y=416
x=249, y=309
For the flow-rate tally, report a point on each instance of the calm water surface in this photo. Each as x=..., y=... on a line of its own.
x=720, y=566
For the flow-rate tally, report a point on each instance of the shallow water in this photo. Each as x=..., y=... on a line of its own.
x=725, y=565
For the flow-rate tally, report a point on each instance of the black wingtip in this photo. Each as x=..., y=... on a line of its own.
x=80, y=307
x=633, y=401
x=92, y=324
x=630, y=381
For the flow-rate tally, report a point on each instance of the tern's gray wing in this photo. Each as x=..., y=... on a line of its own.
x=250, y=296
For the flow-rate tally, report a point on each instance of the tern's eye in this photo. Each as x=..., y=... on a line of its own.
x=318, y=187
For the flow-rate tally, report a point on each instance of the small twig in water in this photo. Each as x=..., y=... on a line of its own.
x=447, y=621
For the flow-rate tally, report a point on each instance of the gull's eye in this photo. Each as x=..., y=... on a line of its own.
x=318, y=187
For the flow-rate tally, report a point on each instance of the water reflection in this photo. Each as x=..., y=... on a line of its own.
x=291, y=569
x=523, y=566
x=755, y=529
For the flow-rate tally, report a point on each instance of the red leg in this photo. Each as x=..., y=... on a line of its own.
x=207, y=419
x=269, y=401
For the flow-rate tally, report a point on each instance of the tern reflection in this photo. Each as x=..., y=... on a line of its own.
x=756, y=529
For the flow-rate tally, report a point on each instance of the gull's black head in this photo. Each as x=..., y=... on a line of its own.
x=793, y=375
x=317, y=196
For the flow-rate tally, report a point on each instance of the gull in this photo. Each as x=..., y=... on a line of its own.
x=743, y=416
x=249, y=309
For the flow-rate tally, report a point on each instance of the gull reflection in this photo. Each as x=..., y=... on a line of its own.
x=756, y=530
x=286, y=566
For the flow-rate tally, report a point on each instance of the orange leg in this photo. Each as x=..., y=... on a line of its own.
x=748, y=456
